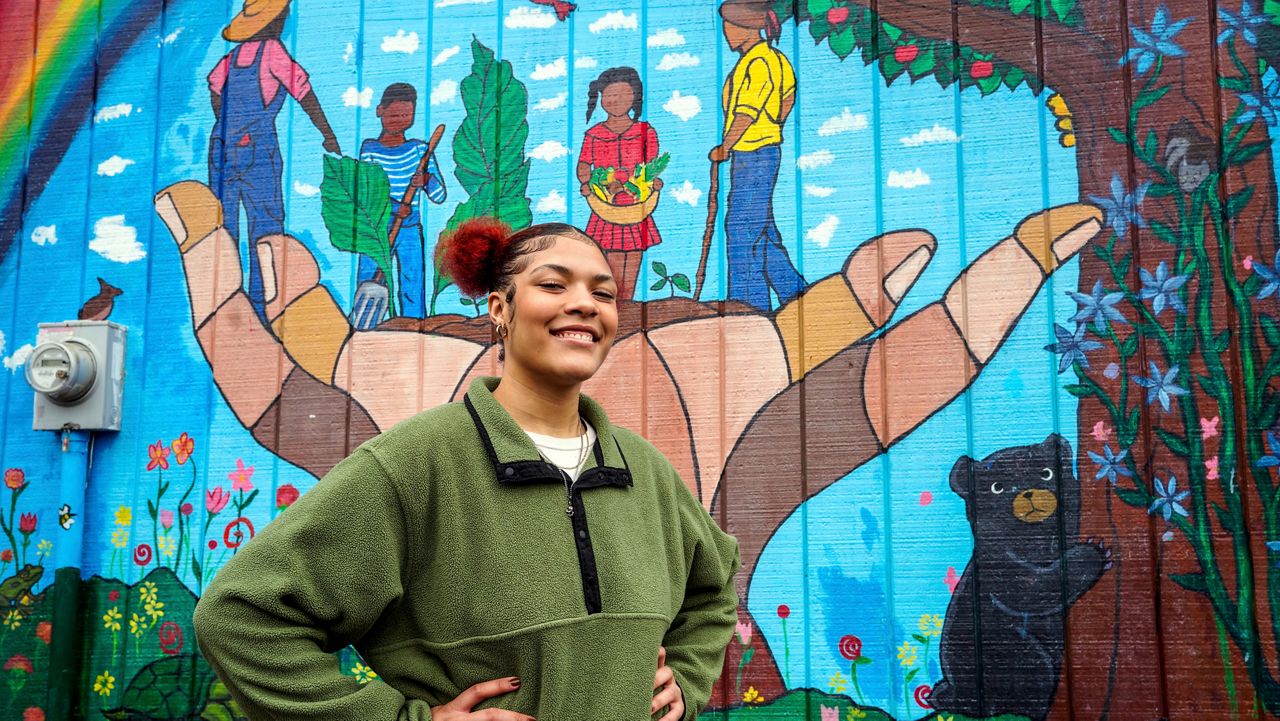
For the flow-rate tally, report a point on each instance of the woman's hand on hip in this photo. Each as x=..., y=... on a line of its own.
x=459, y=709
x=666, y=691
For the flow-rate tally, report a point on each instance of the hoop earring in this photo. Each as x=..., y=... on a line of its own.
x=502, y=330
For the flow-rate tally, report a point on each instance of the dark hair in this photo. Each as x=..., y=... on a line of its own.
x=397, y=92
x=617, y=75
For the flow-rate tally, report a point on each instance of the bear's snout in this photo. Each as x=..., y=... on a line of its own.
x=1034, y=505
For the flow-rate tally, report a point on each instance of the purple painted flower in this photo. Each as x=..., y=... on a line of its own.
x=1111, y=465
x=1098, y=306
x=1161, y=385
x=1072, y=347
x=1122, y=207
x=1168, y=499
x=1161, y=289
x=1155, y=42
x=1243, y=22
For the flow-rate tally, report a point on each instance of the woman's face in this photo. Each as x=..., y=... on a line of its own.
x=617, y=98
x=563, y=319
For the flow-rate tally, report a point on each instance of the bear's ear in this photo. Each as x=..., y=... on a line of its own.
x=960, y=476
x=1059, y=449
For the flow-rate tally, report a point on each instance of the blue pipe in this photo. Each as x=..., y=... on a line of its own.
x=64, y=648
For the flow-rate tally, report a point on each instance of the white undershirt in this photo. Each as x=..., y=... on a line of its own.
x=565, y=452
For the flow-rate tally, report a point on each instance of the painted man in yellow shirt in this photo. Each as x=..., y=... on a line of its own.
x=758, y=96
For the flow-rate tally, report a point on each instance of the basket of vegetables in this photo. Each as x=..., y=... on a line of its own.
x=626, y=196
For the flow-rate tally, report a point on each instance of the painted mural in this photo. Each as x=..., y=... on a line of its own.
x=959, y=314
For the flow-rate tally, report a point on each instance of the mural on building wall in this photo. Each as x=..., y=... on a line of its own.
x=1038, y=234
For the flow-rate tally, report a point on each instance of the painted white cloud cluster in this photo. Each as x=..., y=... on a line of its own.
x=352, y=97
x=673, y=61
x=845, y=122
x=908, y=179
x=114, y=240
x=816, y=159
x=585, y=62
x=401, y=42
x=112, y=112
x=444, y=92
x=114, y=165
x=443, y=56
x=15, y=361
x=936, y=134
x=551, y=103
x=818, y=191
x=306, y=190
x=616, y=20
x=549, y=150
x=44, y=235
x=529, y=19
x=823, y=232
x=688, y=193
x=682, y=106
x=557, y=68
x=669, y=38
x=552, y=202
x=349, y=53
x=171, y=38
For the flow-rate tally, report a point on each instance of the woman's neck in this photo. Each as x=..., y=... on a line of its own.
x=538, y=408
x=619, y=123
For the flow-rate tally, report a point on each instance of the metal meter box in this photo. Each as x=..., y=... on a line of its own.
x=77, y=372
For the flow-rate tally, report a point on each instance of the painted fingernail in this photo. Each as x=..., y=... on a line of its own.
x=515, y=682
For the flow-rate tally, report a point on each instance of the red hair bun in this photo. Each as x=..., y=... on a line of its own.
x=472, y=254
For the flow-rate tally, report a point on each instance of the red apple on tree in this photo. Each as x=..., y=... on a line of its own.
x=981, y=69
x=905, y=53
x=837, y=14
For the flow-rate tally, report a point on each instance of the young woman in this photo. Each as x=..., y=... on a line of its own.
x=513, y=552
x=621, y=140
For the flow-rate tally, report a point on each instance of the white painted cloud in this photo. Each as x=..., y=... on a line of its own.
x=585, y=62
x=687, y=193
x=616, y=20
x=443, y=56
x=845, y=122
x=557, y=68
x=908, y=178
x=669, y=38
x=401, y=42
x=823, y=232
x=111, y=112
x=45, y=235
x=349, y=53
x=552, y=202
x=672, y=61
x=818, y=191
x=549, y=151
x=1, y=344
x=444, y=92
x=352, y=97
x=114, y=165
x=936, y=134
x=306, y=190
x=529, y=18
x=15, y=361
x=114, y=240
x=171, y=38
x=451, y=3
x=816, y=159
x=551, y=103
x=682, y=106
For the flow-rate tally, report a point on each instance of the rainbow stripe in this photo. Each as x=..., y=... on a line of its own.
x=51, y=53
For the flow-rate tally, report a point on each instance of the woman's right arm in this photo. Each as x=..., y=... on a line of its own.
x=313, y=581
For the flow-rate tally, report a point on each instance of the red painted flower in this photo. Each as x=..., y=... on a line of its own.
x=6, y=555
x=183, y=447
x=213, y=545
x=166, y=518
x=15, y=478
x=216, y=500
x=285, y=496
x=27, y=523
x=142, y=554
x=783, y=611
x=922, y=696
x=113, y=596
x=187, y=509
x=44, y=632
x=159, y=456
x=171, y=638
x=851, y=647
x=33, y=713
x=18, y=663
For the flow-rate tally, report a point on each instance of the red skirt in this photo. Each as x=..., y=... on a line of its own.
x=610, y=236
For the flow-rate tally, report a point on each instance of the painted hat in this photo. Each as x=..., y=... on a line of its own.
x=256, y=15
x=750, y=14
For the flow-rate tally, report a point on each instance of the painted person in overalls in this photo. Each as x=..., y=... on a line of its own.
x=758, y=96
x=247, y=90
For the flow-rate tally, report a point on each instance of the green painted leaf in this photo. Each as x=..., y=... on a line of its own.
x=1164, y=232
x=990, y=84
x=1238, y=200
x=1119, y=136
x=1190, y=581
x=681, y=281
x=911, y=675
x=748, y=655
x=892, y=32
x=1227, y=518
x=1208, y=384
x=919, y=638
x=1175, y=442
x=1222, y=341
x=662, y=283
x=1270, y=329
x=355, y=204
x=1014, y=76
x=1129, y=345
x=842, y=42
x=1017, y=7
x=659, y=267
x=924, y=63
x=1079, y=390
x=1149, y=97
x=1245, y=153
x=862, y=660
x=1062, y=8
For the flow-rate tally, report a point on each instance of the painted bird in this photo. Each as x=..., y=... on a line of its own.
x=562, y=8
x=99, y=306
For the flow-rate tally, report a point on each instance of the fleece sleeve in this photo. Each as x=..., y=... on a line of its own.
x=697, y=638
x=311, y=583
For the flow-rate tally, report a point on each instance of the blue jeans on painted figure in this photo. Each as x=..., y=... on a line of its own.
x=757, y=259
x=411, y=275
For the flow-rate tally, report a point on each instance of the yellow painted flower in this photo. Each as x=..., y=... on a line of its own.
x=136, y=626
x=111, y=619
x=854, y=714
x=363, y=673
x=13, y=620
x=931, y=625
x=124, y=516
x=44, y=548
x=148, y=590
x=104, y=684
x=837, y=683
x=120, y=537
x=907, y=654
x=154, y=609
x=752, y=696
x=166, y=545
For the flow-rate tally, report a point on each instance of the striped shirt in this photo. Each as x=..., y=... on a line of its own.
x=400, y=163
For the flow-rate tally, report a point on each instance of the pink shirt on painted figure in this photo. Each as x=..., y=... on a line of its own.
x=278, y=69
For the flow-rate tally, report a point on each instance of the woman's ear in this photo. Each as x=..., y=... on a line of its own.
x=497, y=308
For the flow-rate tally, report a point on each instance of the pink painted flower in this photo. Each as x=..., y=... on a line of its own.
x=27, y=523
x=285, y=496
x=784, y=611
x=216, y=500
x=1211, y=466
x=166, y=518
x=15, y=478
x=1247, y=262
x=830, y=713
x=33, y=713
x=18, y=663
x=241, y=476
x=159, y=455
x=1209, y=427
x=744, y=633
x=926, y=498
x=952, y=579
x=1100, y=431
x=187, y=509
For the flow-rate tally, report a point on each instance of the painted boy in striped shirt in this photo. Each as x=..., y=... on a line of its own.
x=400, y=158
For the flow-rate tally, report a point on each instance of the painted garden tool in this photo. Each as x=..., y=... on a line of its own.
x=713, y=203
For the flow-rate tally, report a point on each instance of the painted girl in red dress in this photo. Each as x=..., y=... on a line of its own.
x=621, y=141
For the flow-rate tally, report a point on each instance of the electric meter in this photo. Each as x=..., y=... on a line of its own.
x=77, y=373
x=62, y=371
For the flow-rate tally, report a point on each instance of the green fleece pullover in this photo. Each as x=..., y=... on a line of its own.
x=443, y=550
